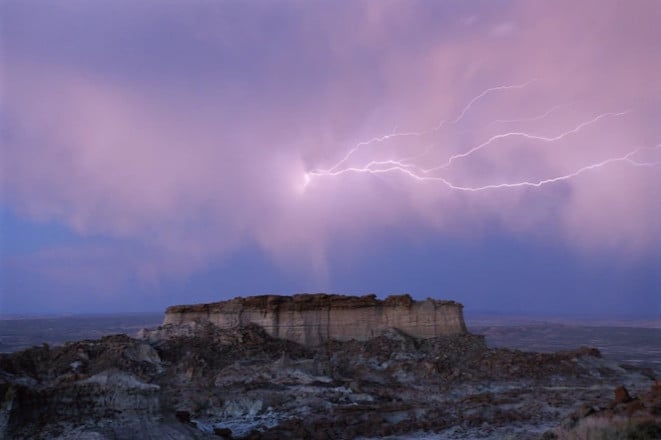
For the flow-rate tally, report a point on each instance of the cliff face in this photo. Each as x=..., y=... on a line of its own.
x=199, y=381
x=311, y=319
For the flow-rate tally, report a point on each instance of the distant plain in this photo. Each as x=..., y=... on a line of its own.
x=634, y=342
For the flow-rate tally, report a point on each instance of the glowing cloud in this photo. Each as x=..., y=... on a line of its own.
x=175, y=126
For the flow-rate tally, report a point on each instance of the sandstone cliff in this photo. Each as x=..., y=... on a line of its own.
x=311, y=319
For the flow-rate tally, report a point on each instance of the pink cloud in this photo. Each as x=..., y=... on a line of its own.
x=198, y=174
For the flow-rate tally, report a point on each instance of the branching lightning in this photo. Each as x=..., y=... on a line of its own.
x=407, y=166
x=529, y=136
x=440, y=125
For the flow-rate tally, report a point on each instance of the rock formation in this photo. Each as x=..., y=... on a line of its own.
x=211, y=372
x=205, y=382
x=311, y=319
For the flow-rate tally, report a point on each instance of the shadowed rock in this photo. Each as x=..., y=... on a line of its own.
x=198, y=380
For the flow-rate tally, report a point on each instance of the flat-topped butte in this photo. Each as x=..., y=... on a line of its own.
x=311, y=319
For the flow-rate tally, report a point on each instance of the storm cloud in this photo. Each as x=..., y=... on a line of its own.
x=184, y=132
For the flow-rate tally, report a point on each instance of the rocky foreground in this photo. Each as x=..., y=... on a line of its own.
x=198, y=381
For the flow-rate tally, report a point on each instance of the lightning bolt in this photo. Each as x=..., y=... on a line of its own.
x=578, y=172
x=533, y=137
x=407, y=170
x=407, y=166
x=487, y=92
x=457, y=119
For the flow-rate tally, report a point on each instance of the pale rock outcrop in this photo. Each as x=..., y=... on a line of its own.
x=311, y=319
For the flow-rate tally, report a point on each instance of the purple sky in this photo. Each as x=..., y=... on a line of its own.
x=506, y=154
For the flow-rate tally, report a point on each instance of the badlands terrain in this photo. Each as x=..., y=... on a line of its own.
x=211, y=371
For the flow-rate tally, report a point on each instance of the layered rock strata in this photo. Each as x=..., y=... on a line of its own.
x=311, y=319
